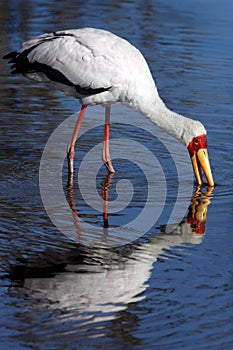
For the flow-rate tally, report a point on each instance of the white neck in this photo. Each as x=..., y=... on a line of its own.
x=180, y=127
x=173, y=123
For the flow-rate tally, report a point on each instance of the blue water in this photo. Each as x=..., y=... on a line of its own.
x=81, y=289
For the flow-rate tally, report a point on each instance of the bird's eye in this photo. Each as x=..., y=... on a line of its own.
x=195, y=140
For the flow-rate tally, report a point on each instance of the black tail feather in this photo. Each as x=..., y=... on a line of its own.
x=19, y=60
x=10, y=56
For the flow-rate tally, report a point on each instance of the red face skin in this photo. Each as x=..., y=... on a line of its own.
x=197, y=143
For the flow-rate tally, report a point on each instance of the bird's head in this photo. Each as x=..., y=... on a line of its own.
x=197, y=147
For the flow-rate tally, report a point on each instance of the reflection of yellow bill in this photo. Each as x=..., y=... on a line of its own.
x=198, y=210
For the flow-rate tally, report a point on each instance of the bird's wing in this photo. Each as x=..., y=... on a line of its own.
x=80, y=58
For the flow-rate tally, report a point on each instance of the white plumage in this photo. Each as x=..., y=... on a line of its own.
x=99, y=67
x=93, y=58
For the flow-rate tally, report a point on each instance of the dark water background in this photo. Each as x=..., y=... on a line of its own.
x=166, y=290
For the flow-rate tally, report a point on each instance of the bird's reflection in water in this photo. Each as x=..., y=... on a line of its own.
x=106, y=184
x=193, y=223
x=193, y=226
x=115, y=277
x=197, y=213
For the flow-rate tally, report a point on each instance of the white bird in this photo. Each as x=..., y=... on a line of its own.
x=100, y=68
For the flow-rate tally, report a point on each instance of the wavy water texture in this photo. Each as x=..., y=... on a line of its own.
x=172, y=287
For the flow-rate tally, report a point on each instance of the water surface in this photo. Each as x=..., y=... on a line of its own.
x=171, y=288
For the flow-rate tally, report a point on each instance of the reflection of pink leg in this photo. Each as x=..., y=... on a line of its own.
x=105, y=191
x=71, y=193
x=105, y=211
x=70, y=151
x=106, y=153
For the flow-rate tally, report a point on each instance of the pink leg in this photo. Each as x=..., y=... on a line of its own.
x=106, y=153
x=70, y=151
